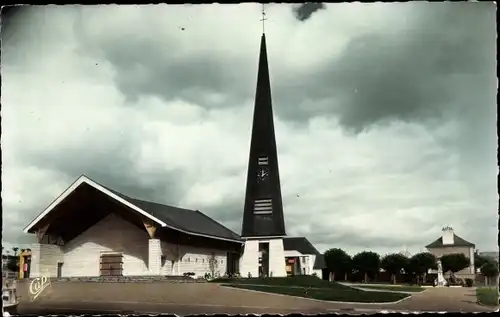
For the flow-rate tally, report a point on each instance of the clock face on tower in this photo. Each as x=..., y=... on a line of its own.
x=262, y=174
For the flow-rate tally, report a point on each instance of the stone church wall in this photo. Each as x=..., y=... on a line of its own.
x=192, y=260
x=81, y=256
x=112, y=234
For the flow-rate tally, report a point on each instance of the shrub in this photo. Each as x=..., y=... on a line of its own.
x=487, y=296
x=453, y=281
x=469, y=282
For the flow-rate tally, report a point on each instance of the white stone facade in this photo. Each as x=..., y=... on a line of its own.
x=277, y=265
x=467, y=251
x=448, y=236
x=306, y=262
x=141, y=255
x=154, y=256
x=249, y=261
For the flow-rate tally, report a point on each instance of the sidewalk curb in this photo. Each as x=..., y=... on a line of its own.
x=367, y=289
x=386, y=291
x=319, y=300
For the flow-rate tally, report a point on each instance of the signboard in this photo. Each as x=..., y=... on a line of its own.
x=38, y=285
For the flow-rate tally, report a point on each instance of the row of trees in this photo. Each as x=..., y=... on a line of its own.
x=14, y=249
x=488, y=266
x=340, y=264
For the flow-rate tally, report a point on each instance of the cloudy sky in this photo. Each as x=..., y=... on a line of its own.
x=385, y=114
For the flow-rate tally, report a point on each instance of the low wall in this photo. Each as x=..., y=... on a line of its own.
x=127, y=279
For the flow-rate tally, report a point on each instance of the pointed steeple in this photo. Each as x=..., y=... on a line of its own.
x=263, y=211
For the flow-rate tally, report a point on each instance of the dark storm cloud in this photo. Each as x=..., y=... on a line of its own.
x=229, y=213
x=411, y=76
x=9, y=20
x=142, y=68
x=306, y=10
x=117, y=170
x=406, y=72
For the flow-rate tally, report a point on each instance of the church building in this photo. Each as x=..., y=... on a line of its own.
x=93, y=230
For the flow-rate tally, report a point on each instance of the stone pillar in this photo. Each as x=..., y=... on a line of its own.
x=154, y=257
x=178, y=260
x=35, y=260
x=472, y=268
x=277, y=265
x=176, y=267
x=249, y=261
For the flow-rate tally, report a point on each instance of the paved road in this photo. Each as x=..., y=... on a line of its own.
x=450, y=299
x=191, y=298
x=438, y=300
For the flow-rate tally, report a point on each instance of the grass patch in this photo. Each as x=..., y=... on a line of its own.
x=412, y=289
x=295, y=281
x=487, y=296
x=345, y=294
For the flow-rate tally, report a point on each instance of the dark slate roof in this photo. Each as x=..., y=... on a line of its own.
x=302, y=245
x=457, y=242
x=190, y=221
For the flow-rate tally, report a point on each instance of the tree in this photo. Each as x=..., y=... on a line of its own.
x=454, y=262
x=366, y=262
x=15, y=249
x=420, y=264
x=337, y=261
x=394, y=263
x=12, y=263
x=480, y=260
x=489, y=270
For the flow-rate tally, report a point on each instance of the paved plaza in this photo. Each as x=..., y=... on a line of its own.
x=207, y=298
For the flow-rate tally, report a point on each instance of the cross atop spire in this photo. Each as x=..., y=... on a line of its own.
x=263, y=18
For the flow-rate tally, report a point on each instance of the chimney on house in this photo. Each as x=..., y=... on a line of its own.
x=448, y=235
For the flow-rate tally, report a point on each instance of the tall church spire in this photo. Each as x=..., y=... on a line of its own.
x=263, y=211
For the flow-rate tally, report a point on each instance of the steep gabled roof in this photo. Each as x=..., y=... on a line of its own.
x=188, y=221
x=302, y=245
x=457, y=242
